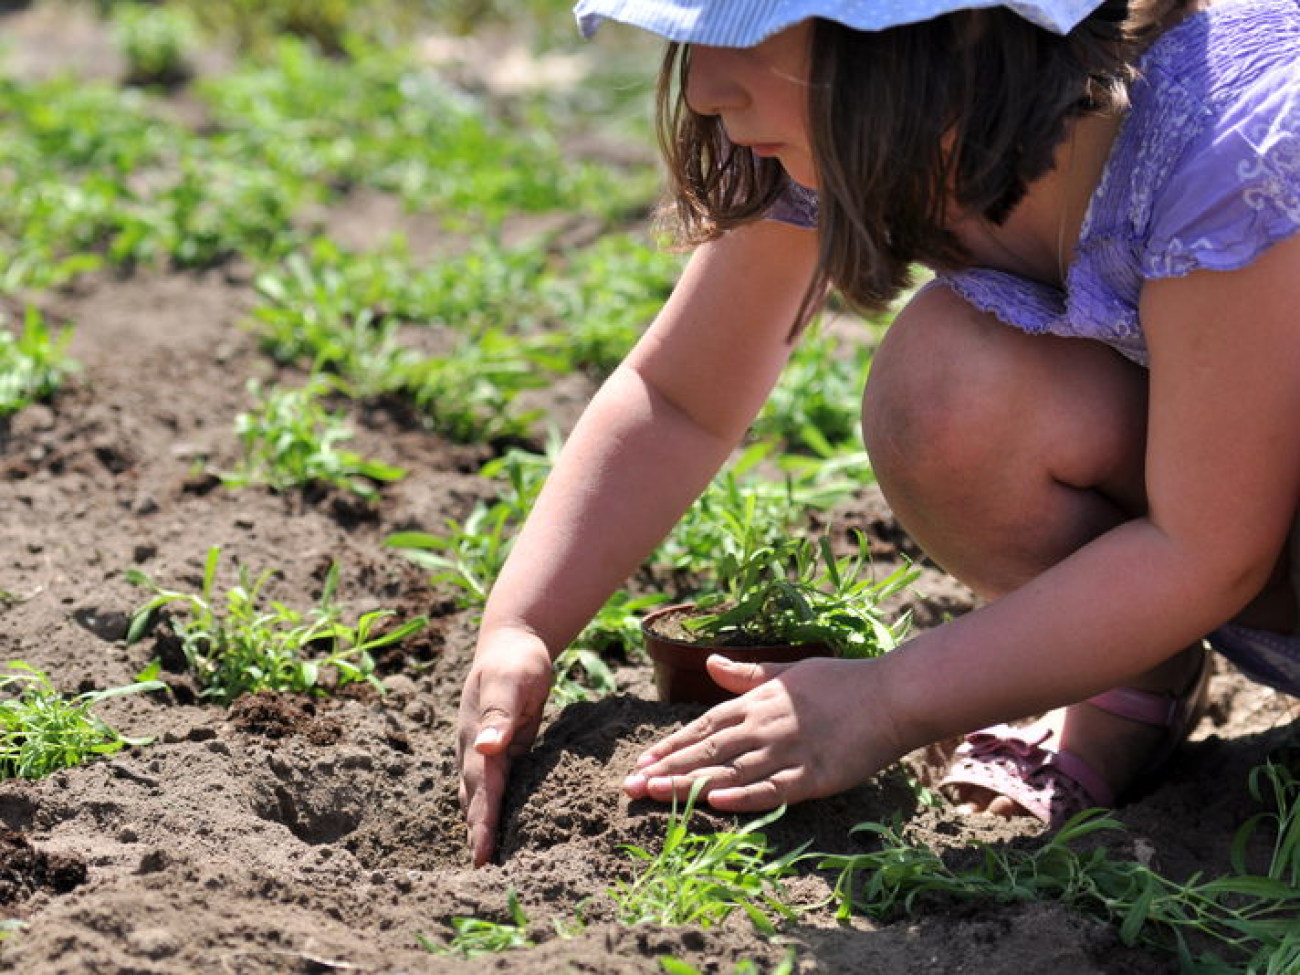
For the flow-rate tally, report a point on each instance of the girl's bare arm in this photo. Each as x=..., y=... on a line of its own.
x=657, y=431
x=647, y=445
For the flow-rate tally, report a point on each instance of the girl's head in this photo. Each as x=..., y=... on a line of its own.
x=900, y=127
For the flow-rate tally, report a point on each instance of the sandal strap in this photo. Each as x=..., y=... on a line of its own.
x=1160, y=710
x=1097, y=789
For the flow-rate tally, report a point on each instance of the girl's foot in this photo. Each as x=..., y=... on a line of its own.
x=1084, y=755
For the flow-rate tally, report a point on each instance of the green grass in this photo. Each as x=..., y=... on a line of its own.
x=291, y=440
x=244, y=643
x=816, y=406
x=702, y=879
x=157, y=41
x=1249, y=919
x=474, y=937
x=42, y=730
x=33, y=363
x=377, y=119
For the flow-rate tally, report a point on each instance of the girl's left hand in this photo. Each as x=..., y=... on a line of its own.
x=798, y=731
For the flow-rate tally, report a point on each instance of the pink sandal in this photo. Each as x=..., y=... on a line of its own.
x=1053, y=784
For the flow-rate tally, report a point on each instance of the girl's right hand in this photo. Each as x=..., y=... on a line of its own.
x=500, y=712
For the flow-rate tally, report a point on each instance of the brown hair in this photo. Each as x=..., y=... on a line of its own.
x=965, y=109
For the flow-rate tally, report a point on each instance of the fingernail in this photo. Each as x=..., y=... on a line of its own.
x=644, y=761
x=489, y=736
x=634, y=781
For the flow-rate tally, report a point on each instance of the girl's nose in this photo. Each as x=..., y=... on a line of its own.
x=712, y=85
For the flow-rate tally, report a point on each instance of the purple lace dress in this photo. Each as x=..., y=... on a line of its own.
x=1204, y=174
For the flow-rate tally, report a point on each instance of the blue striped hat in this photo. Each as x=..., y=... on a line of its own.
x=743, y=23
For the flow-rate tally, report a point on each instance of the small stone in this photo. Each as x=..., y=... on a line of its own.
x=153, y=942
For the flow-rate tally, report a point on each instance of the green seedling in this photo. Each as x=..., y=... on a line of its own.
x=380, y=119
x=473, y=937
x=702, y=879
x=290, y=440
x=675, y=966
x=1252, y=917
x=470, y=555
x=767, y=503
x=156, y=41
x=582, y=671
x=814, y=407
x=796, y=591
x=42, y=731
x=469, y=394
x=33, y=363
x=340, y=313
x=238, y=645
x=606, y=296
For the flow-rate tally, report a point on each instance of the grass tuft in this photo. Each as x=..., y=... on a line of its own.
x=701, y=879
x=1251, y=917
x=42, y=731
x=239, y=645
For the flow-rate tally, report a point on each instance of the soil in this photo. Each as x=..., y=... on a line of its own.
x=288, y=834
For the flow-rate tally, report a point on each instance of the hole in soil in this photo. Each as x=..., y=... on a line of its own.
x=25, y=870
x=312, y=824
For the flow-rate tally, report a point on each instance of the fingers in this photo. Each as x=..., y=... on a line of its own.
x=500, y=712
x=483, y=785
x=735, y=747
x=738, y=678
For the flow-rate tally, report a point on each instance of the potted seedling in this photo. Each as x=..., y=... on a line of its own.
x=779, y=601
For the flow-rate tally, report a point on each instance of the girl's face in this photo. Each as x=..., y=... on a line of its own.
x=761, y=95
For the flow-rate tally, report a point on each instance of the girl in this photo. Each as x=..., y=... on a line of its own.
x=1089, y=417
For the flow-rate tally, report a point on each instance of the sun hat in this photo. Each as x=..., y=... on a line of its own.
x=743, y=23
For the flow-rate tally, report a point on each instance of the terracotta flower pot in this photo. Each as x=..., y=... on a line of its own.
x=679, y=664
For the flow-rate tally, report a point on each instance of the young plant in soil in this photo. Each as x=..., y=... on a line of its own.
x=701, y=879
x=156, y=43
x=473, y=936
x=41, y=731
x=675, y=966
x=290, y=440
x=33, y=363
x=768, y=508
x=582, y=671
x=243, y=646
x=795, y=591
x=471, y=553
x=1253, y=916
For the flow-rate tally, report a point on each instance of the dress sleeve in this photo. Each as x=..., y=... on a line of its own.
x=1236, y=189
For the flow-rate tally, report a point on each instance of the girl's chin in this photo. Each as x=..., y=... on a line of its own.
x=798, y=174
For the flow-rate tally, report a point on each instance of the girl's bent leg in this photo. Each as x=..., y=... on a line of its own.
x=1001, y=453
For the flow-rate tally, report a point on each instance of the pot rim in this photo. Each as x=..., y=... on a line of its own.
x=818, y=648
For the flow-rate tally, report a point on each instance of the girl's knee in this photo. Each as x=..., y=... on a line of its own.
x=938, y=391
x=954, y=393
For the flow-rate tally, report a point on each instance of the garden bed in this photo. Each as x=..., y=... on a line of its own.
x=296, y=834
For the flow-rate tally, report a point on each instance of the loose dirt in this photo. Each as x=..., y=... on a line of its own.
x=296, y=835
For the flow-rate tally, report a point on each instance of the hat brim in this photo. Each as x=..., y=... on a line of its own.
x=745, y=24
